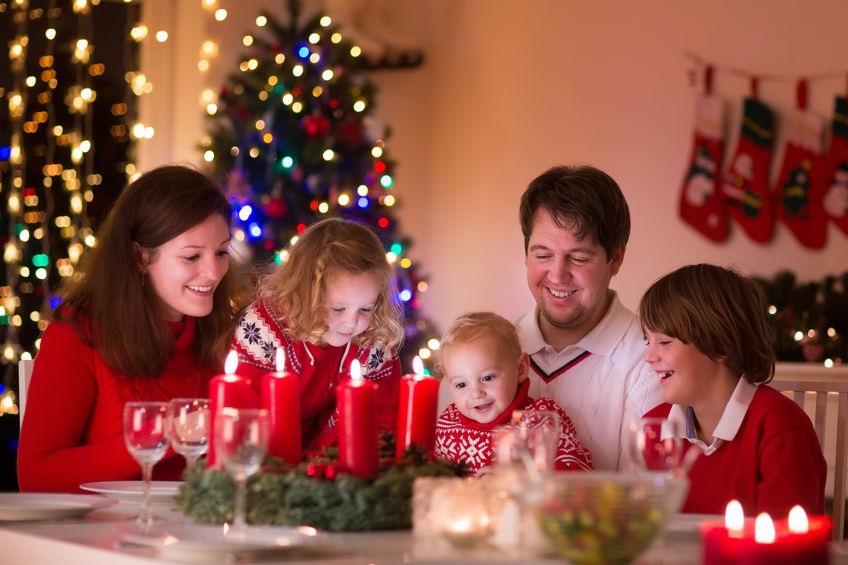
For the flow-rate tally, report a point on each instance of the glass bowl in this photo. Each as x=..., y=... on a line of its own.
x=605, y=517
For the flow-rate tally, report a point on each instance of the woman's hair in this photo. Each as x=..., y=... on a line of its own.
x=472, y=326
x=717, y=310
x=107, y=301
x=325, y=249
x=580, y=198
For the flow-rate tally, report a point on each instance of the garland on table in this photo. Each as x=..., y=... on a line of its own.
x=314, y=493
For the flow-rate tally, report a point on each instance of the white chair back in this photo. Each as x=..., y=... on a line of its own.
x=24, y=372
x=826, y=402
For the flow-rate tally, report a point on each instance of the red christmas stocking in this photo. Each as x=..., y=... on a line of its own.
x=701, y=204
x=745, y=186
x=836, y=168
x=798, y=190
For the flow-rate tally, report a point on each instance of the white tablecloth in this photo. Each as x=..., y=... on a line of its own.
x=97, y=539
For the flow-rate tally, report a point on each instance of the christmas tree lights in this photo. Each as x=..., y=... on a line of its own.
x=54, y=182
x=294, y=139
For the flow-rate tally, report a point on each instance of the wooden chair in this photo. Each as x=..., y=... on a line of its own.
x=825, y=399
x=24, y=372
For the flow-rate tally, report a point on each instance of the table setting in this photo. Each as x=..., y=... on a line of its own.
x=379, y=500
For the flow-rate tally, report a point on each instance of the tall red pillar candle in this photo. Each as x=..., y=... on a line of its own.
x=228, y=390
x=281, y=398
x=356, y=400
x=417, y=412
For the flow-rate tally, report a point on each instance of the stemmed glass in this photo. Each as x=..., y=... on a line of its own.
x=190, y=423
x=146, y=438
x=241, y=439
x=655, y=444
x=525, y=450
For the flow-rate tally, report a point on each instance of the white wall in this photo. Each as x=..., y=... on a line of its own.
x=509, y=89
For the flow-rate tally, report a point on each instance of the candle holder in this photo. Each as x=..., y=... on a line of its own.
x=459, y=512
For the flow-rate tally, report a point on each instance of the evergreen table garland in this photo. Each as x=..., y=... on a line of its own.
x=313, y=493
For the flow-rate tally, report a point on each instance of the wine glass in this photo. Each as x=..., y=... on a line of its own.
x=190, y=421
x=146, y=438
x=525, y=450
x=655, y=444
x=241, y=439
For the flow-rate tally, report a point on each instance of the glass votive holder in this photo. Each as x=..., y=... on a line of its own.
x=460, y=513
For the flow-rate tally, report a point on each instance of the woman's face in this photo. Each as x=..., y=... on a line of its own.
x=186, y=270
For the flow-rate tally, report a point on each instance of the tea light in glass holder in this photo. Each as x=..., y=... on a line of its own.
x=461, y=508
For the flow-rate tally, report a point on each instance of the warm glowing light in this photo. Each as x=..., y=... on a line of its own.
x=734, y=517
x=425, y=353
x=280, y=360
x=764, y=529
x=355, y=372
x=220, y=15
x=139, y=32
x=798, y=522
x=417, y=366
x=328, y=155
x=161, y=36
x=359, y=106
x=231, y=363
x=433, y=343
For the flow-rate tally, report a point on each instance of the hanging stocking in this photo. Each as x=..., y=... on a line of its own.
x=798, y=190
x=701, y=204
x=836, y=168
x=745, y=186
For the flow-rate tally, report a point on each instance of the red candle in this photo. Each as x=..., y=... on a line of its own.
x=419, y=399
x=281, y=397
x=719, y=539
x=228, y=390
x=356, y=400
x=796, y=539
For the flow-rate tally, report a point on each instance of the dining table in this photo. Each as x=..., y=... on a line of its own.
x=108, y=534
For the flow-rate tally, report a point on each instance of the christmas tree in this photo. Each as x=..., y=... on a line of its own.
x=293, y=140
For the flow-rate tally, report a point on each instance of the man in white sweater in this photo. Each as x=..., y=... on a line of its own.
x=586, y=348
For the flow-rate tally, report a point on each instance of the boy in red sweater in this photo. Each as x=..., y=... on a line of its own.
x=482, y=362
x=709, y=342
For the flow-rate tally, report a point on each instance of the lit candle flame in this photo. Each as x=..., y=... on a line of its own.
x=231, y=364
x=798, y=523
x=418, y=367
x=764, y=529
x=281, y=360
x=734, y=517
x=355, y=372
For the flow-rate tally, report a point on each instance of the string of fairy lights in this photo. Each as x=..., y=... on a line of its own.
x=36, y=100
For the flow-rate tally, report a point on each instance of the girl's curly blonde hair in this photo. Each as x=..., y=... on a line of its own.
x=326, y=248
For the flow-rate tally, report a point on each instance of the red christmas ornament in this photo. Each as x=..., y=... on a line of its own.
x=315, y=470
x=276, y=208
x=315, y=126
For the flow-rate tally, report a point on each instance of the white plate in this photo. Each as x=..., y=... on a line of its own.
x=203, y=543
x=161, y=492
x=26, y=506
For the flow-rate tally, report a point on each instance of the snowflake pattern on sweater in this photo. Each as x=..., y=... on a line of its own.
x=461, y=440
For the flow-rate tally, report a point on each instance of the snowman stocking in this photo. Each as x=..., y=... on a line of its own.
x=836, y=168
x=745, y=186
x=798, y=190
x=701, y=204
